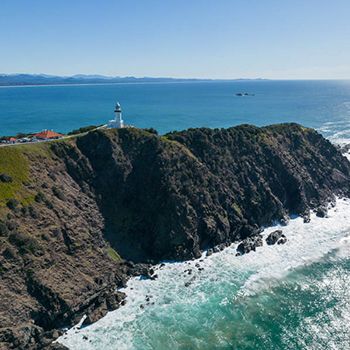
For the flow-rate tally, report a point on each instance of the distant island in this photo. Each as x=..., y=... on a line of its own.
x=44, y=79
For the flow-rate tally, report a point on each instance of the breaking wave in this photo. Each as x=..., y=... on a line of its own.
x=291, y=296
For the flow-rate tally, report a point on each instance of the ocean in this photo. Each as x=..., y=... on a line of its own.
x=283, y=297
x=292, y=296
x=324, y=105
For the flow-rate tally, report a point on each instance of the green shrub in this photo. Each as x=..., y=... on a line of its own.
x=40, y=197
x=9, y=253
x=58, y=193
x=5, y=178
x=3, y=229
x=12, y=203
x=48, y=204
x=24, y=243
x=82, y=130
x=33, y=212
x=11, y=225
x=152, y=131
x=113, y=254
x=24, y=211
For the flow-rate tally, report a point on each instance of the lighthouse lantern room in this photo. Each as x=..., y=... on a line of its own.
x=117, y=122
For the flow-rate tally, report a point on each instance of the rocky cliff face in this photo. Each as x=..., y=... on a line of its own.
x=76, y=211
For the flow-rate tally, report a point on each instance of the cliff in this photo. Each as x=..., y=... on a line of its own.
x=75, y=212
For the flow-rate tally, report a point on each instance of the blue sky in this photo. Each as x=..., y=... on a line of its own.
x=283, y=39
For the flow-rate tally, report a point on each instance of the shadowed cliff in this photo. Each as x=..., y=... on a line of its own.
x=74, y=212
x=169, y=197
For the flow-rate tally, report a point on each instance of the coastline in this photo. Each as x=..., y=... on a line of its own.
x=79, y=218
x=306, y=244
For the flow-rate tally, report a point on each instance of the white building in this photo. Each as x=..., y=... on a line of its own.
x=118, y=121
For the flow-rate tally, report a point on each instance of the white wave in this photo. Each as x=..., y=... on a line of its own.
x=175, y=292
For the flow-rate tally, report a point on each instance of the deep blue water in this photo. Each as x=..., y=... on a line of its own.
x=177, y=106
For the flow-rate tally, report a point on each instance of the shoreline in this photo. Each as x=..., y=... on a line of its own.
x=138, y=290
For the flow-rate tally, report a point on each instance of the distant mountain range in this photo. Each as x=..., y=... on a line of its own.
x=44, y=79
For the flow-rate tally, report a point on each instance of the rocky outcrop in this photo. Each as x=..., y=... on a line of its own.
x=249, y=244
x=77, y=212
x=321, y=211
x=276, y=237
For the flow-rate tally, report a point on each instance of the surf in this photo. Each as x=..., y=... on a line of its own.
x=213, y=291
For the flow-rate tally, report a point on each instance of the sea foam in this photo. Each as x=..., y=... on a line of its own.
x=179, y=299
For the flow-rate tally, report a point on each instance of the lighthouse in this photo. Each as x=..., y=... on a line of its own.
x=117, y=122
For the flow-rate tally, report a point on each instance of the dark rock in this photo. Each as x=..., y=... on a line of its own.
x=274, y=236
x=94, y=315
x=282, y=240
x=321, y=211
x=249, y=244
x=284, y=221
x=216, y=249
x=209, y=252
x=306, y=217
x=344, y=149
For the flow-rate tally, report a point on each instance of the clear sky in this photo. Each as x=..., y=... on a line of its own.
x=284, y=39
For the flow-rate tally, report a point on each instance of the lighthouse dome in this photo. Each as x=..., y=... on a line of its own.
x=117, y=107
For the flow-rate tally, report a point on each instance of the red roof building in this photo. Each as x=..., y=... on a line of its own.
x=47, y=135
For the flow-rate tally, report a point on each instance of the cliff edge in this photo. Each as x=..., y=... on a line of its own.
x=78, y=216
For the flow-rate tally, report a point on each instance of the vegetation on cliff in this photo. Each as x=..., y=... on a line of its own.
x=73, y=213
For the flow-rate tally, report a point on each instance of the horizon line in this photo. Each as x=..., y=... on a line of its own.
x=107, y=77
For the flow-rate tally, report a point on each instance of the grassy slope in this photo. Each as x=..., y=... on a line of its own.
x=15, y=161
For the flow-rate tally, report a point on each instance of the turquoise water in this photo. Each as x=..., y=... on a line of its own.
x=177, y=106
x=294, y=296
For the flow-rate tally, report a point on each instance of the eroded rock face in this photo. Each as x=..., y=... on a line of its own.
x=321, y=211
x=98, y=201
x=276, y=237
x=171, y=197
x=249, y=244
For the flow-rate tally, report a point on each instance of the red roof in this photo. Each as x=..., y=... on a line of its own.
x=12, y=139
x=47, y=134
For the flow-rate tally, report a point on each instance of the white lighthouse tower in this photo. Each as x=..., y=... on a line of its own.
x=118, y=121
